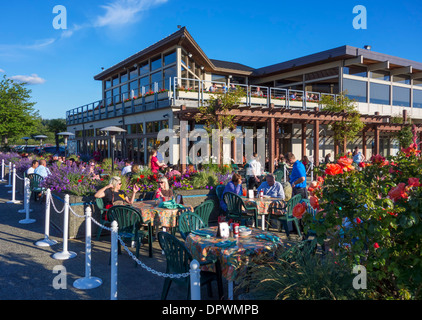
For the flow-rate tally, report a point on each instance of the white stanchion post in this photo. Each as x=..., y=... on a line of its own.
x=10, y=176
x=13, y=201
x=285, y=174
x=195, y=281
x=114, y=248
x=26, y=196
x=46, y=242
x=88, y=282
x=2, y=170
x=65, y=254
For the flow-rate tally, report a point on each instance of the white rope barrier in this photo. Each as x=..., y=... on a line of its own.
x=10, y=175
x=88, y=282
x=2, y=170
x=27, y=196
x=47, y=242
x=65, y=254
x=13, y=191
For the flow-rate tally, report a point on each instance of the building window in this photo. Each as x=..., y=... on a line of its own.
x=124, y=91
x=144, y=68
x=380, y=93
x=134, y=88
x=355, y=71
x=218, y=78
x=144, y=82
x=108, y=96
x=140, y=128
x=157, y=77
x=380, y=75
x=401, y=96
x=153, y=127
x=417, y=82
x=123, y=77
x=133, y=73
x=355, y=89
x=156, y=63
x=115, y=80
x=116, y=95
x=170, y=58
x=169, y=73
x=107, y=84
x=401, y=79
x=417, y=98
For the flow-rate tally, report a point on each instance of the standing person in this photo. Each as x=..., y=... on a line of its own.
x=297, y=176
x=154, y=164
x=234, y=186
x=42, y=169
x=32, y=168
x=253, y=172
x=327, y=158
x=358, y=156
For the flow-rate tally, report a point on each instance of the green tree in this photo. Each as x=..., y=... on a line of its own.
x=56, y=126
x=351, y=125
x=17, y=114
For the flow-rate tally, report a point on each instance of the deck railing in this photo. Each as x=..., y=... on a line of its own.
x=193, y=93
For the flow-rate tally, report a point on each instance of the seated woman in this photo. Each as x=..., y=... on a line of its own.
x=112, y=195
x=234, y=186
x=163, y=190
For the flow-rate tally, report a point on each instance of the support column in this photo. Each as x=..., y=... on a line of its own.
x=271, y=140
x=183, y=146
x=377, y=141
x=303, y=139
x=364, y=147
x=277, y=141
x=316, y=143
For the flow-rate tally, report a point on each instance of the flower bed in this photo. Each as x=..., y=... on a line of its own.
x=372, y=216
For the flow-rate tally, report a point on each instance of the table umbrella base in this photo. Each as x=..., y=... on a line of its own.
x=27, y=221
x=46, y=242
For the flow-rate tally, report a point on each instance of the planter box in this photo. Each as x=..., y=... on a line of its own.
x=195, y=197
x=76, y=224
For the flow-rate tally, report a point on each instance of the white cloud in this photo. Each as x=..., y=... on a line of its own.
x=32, y=79
x=2, y=71
x=121, y=12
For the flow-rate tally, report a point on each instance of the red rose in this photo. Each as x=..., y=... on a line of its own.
x=345, y=161
x=333, y=169
x=142, y=176
x=398, y=192
x=79, y=181
x=414, y=182
x=314, y=202
x=376, y=245
x=299, y=210
x=358, y=221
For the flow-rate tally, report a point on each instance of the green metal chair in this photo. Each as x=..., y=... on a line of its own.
x=287, y=216
x=188, y=222
x=204, y=210
x=129, y=222
x=178, y=260
x=103, y=220
x=35, y=184
x=279, y=175
x=237, y=210
x=219, y=191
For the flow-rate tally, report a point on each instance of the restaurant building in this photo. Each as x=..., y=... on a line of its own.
x=165, y=83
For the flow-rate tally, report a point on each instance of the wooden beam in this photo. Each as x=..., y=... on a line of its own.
x=316, y=143
x=417, y=75
x=357, y=60
x=379, y=66
x=364, y=146
x=303, y=140
x=403, y=70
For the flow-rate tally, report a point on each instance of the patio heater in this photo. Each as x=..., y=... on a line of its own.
x=26, y=142
x=40, y=137
x=112, y=131
x=65, y=135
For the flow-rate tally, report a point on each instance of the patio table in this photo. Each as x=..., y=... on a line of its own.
x=262, y=204
x=157, y=216
x=234, y=257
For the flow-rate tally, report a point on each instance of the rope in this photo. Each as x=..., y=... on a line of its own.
x=75, y=214
x=19, y=177
x=54, y=206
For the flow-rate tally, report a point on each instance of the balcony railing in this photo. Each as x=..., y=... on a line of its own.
x=192, y=93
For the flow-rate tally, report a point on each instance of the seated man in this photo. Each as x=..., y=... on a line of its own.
x=272, y=188
x=127, y=168
x=42, y=169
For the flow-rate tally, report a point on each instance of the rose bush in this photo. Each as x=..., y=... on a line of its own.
x=372, y=217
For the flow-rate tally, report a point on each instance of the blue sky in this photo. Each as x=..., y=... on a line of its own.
x=61, y=64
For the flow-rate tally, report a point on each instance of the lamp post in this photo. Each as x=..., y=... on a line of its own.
x=65, y=135
x=26, y=142
x=112, y=131
x=40, y=137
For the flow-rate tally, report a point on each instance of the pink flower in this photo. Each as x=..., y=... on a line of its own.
x=414, y=182
x=376, y=245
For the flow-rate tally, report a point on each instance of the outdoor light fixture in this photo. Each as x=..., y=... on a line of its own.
x=367, y=47
x=40, y=137
x=190, y=55
x=112, y=131
x=65, y=135
x=166, y=115
x=26, y=140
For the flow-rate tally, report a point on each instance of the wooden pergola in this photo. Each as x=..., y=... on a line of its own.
x=273, y=117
